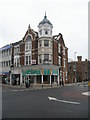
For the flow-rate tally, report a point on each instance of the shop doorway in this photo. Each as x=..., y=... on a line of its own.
x=46, y=79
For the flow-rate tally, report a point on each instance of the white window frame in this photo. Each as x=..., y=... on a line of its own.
x=44, y=43
x=28, y=59
x=40, y=55
x=59, y=60
x=40, y=32
x=64, y=62
x=63, y=50
x=28, y=44
x=59, y=50
x=17, y=61
x=40, y=43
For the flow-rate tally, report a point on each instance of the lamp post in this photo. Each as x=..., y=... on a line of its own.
x=11, y=74
x=59, y=76
x=75, y=66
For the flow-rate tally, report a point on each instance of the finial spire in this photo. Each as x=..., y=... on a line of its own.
x=45, y=15
x=29, y=26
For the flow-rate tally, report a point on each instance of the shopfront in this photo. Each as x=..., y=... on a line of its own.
x=5, y=77
x=41, y=76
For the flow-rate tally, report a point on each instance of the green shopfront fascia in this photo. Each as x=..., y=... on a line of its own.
x=42, y=76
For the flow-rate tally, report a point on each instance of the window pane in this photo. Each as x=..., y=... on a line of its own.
x=40, y=32
x=40, y=58
x=29, y=60
x=28, y=39
x=17, y=61
x=40, y=43
x=46, y=57
x=59, y=48
x=30, y=47
x=46, y=42
x=26, y=60
x=46, y=32
x=26, y=46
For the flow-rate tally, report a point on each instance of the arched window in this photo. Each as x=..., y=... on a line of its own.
x=28, y=44
x=28, y=39
x=28, y=50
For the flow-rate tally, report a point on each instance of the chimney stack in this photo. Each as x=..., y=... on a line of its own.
x=79, y=58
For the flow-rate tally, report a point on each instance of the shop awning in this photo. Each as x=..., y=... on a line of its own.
x=4, y=73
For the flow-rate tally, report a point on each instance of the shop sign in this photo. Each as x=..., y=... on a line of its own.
x=33, y=62
x=32, y=72
x=54, y=72
x=46, y=72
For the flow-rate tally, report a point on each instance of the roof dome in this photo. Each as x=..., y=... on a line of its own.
x=45, y=20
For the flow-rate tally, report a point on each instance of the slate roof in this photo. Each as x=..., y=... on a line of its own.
x=45, y=20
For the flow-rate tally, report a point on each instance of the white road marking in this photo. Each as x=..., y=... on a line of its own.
x=21, y=90
x=86, y=93
x=70, y=102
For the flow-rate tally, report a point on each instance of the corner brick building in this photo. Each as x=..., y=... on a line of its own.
x=39, y=56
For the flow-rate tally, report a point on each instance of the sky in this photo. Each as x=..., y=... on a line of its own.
x=69, y=17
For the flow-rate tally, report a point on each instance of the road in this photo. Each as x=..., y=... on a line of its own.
x=39, y=103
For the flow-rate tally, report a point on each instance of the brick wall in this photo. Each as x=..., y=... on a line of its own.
x=55, y=53
x=22, y=54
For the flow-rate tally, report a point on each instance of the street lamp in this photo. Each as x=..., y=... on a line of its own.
x=75, y=66
x=59, y=76
x=12, y=74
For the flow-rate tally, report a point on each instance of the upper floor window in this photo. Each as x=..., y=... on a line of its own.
x=59, y=60
x=40, y=43
x=16, y=49
x=6, y=63
x=59, y=48
x=16, y=61
x=64, y=64
x=46, y=31
x=46, y=57
x=40, y=32
x=27, y=60
x=63, y=50
x=40, y=58
x=46, y=43
x=28, y=45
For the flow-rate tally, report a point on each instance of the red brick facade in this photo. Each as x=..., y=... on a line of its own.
x=22, y=54
x=81, y=70
x=55, y=52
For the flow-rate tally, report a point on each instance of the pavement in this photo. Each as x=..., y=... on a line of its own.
x=37, y=86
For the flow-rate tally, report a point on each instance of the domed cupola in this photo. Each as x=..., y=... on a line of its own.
x=45, y=28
